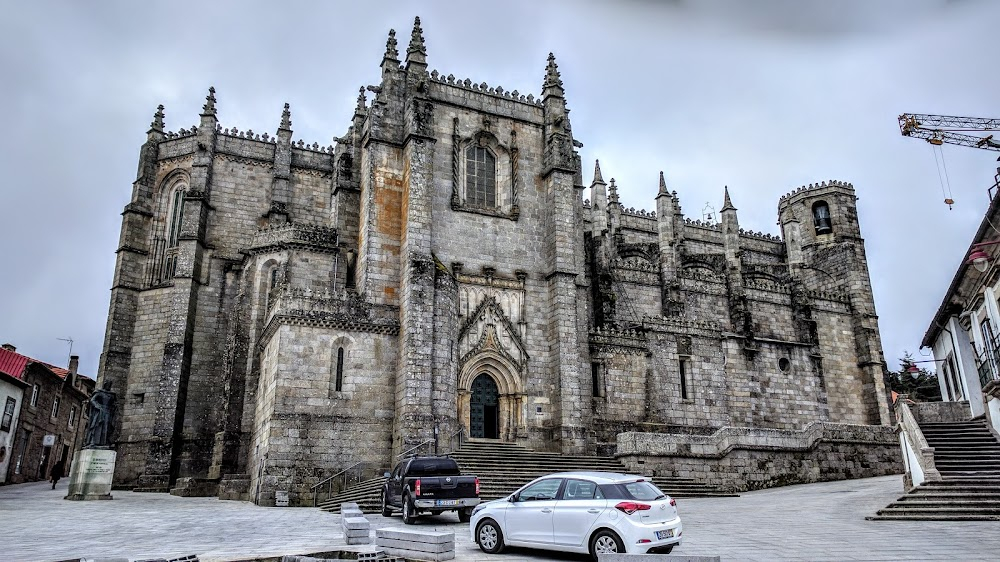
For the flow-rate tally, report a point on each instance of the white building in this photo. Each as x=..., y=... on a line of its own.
x=11, y=398
x=963, y=333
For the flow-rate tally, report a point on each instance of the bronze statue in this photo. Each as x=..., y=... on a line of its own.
x=101, y=412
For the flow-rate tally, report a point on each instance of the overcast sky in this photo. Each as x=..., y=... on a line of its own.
x=760, y=96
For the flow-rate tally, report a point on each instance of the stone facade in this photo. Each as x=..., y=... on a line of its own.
x=281, y=311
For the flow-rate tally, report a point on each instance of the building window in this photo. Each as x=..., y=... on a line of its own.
x=35, y=391
x=480, y=177
x=72, y=417
x=339, y=382
x=8, y=414
x=176, y=216
x=784, y=364
x=683, y=363
x=55, y=407
x=596, y=379
x=821, y=216
x=989, y=346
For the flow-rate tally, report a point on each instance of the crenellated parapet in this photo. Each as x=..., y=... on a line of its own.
x=680, y=324
x=640, y=213
x=607, y=339
x=484, y=88
x=760, y=235
x=706, y=225
x=305, y=236
x=343, y=309
x=820, y=185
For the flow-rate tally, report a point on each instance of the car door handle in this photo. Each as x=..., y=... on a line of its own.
x=593, y=511
x=546, y=510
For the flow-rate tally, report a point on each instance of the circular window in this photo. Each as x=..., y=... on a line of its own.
x=783, y=364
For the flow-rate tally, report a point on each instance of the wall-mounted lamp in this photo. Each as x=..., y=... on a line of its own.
x=978, y=257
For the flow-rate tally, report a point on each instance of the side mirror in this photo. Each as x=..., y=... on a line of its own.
x=386, y=475
x=514, y=498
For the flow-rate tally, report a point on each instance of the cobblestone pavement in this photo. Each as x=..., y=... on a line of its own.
x=823, y=521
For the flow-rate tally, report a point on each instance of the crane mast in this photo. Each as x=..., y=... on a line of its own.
x=941, y=129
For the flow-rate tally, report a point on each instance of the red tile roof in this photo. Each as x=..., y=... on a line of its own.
x=13, y=363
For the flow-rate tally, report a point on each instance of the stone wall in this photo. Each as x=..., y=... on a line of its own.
x=741, y=459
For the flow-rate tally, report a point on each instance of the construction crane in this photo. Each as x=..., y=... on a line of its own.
x=940, y=129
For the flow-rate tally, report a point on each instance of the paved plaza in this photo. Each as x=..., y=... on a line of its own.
x=823, y=521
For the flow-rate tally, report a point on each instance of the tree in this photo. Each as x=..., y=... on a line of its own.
x=918, y=383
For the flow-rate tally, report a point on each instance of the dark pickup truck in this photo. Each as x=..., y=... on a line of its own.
x=422, y=485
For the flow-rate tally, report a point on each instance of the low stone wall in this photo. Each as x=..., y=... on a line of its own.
x=933, y=412
x=739, y=459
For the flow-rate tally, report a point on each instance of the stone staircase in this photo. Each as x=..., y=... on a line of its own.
x=968, y=457
x=504, y=467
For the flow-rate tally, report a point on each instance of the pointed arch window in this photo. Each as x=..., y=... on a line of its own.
x=821, y=217
x=480, y=177
x=175, y=217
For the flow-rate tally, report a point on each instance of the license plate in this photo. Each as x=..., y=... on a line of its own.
x=668, y=534
x=445, y=502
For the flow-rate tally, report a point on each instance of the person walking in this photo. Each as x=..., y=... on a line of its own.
x=56, y=473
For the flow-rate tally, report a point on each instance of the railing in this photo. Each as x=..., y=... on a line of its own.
x=409, y=452
x=455, y=441
x=356, y=470
x=988, y=361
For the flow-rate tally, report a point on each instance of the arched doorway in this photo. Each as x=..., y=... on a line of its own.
x=484, y=418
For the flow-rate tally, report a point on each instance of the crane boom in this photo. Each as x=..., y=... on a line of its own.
x=940, y=129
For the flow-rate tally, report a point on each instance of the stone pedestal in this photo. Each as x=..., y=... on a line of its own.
x=91, y=474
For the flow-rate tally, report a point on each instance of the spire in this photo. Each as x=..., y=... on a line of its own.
x=286, y=119
x=209, y=107
x=663, y=185
x=552, y=86
x=157, y=124
x=391, y=53
x=727, y=205
x=360, y=108
x=597, y=173
x=416, y=52
x=613, y=191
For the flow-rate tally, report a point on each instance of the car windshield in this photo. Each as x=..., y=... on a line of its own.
x=642, y=490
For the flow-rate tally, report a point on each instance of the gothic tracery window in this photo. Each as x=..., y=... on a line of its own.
x=480, y=177
x=175, y=217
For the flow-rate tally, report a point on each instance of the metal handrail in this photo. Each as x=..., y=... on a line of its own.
x=451, y=438
x=331, y=478
x=414, y=448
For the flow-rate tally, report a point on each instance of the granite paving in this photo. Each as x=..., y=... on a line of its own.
x=824, y=521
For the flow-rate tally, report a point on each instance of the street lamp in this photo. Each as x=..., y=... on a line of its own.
x=978, y=257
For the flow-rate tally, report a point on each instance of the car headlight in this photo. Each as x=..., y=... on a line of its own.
x=478, y=508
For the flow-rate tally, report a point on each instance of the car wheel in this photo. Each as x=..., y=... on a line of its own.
x=489, y=537
x=605, y=542
x=386, y=510
x=465, y=514
x=409, y=517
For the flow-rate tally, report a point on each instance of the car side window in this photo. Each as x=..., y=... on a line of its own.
x=579, y=490
x=542, y=490
x=397, y=470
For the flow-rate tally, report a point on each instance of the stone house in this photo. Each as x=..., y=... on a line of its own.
x=52, y=416
x=283, y=310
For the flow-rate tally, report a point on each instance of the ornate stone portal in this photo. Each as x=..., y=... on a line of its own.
x=491, y=344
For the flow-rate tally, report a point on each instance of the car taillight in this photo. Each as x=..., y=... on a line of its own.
x=673, y=502
x=477, y=485
x=416, y=488
x=628, y=508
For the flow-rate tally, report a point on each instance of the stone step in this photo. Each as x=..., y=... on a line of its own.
x=931, y=517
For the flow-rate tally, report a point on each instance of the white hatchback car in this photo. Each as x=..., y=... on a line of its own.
x=595, y=512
